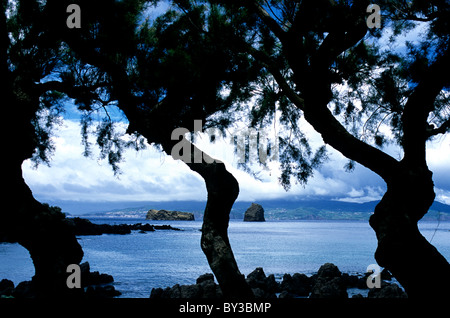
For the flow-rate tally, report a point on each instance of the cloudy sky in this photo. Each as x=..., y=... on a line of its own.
x=150, y=175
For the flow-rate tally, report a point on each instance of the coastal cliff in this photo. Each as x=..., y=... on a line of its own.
x=169, y=215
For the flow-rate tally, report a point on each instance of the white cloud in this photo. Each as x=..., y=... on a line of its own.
x=150, y=175
x=438, y=158
x=147, y=175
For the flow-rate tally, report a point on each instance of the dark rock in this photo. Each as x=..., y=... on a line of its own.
x=255, y=213
x=85, y=268
x=387, y=291
x=89, y=278
x=115, y=229
x=205, y=277
x=97, y=285
x=86, y=227
x=173, y=292
x=142, y=228
x=169, y=215
x=350, y=281
x=204, y=288
x=24, y=290
x=6, y=288
x=107, y=291
x=259, y=293
x=95, y=278
x=156, y=293
x=165, y=227
x=329, y=283
x=286, y=294
x=298, y=284
x=362, y=281
x=210, y=290
x=263, y=287
x=6, y=283
x=385, y=274
x=257, y=278
x=5, y=238
x=329, y=288
x=190, y=291
x=272, y=285
x=329, y=270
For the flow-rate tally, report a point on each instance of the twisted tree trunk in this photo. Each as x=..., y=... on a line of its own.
x=42, y=230
x=402, y=249
x=156, y=123
x=46, y=234
x=223, y=190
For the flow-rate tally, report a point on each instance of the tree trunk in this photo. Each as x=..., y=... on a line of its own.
x=48, y=237
x=156, y=124
x=42, y=230
x=223, y=190
x=414, y=262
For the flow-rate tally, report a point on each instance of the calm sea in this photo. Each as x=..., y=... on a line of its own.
x=140, y=262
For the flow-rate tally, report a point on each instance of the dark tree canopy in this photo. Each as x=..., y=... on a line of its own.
x=210, y=60
x=207, y=60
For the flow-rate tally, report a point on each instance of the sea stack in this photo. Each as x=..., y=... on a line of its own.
x=255, y=213
x=169, y=215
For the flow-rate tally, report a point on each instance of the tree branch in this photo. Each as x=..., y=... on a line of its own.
x=331, y=130
x=67, y=88
x=270, y=22
x=420, y=103
x=342, y=38
x=281, y=81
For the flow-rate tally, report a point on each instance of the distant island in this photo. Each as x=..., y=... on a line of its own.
x=169, y=215
x=275, y=209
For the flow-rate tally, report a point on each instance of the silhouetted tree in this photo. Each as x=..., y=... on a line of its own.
x=174, y=76
x=331, y=69
x=41, y=72
x=206, y=59
x=160, y=80
x=28, y=55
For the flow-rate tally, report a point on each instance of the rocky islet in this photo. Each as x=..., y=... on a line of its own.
x=166, y=215
x=255, y=213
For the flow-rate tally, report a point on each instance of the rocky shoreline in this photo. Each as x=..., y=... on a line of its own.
x=83, y=227
x=329, y=283
x=93, y=285
x=86, y=227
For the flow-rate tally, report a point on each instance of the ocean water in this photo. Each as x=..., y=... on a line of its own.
x=139, y=262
